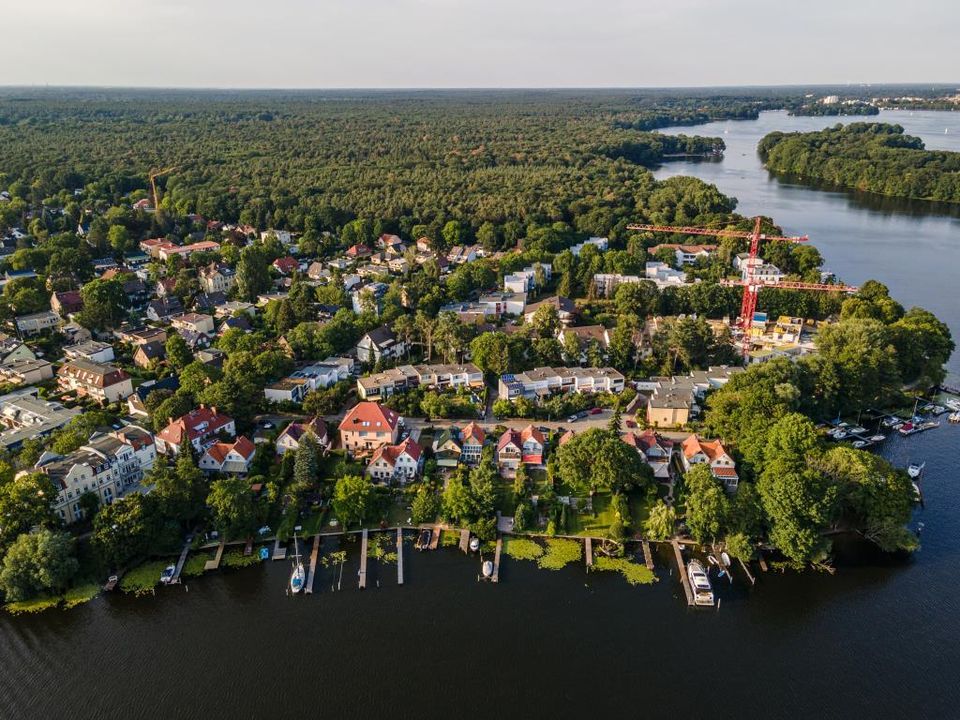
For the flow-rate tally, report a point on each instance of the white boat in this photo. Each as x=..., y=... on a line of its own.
x=167, y=575
x=858, y=430
x=917, y=495
x=474, y=543
x=877, y=438
x=487, y=568
x=297, y=576
x=859, y=444
x=954, y=417
x=891, y=422
x=840, y=434
x=952, y=404
x=699, y=583
x=915, y=471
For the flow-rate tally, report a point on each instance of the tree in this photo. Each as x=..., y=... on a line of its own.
x=25, y=501
x=38, y=562
x=426, y=505
x=452, y=233
x=352, y=496
x=89, y=504
x=177, y=351
x=119, y=238
x=490, y=352
x=456, y=498
x=545, y=321
x=234, y=511
x=483, y=490
x=305, y=465
x=195, y=377
x=637, y=299
x=740, y=546
x=707, y=504
x=660, y=522
x=598, y=460
x=104, y=304
x=125, y=529
x=253, y=276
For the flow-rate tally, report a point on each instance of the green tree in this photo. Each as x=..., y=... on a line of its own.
x=660, y=522
x=119, y=238
x=456, y=498
x=490, y=352
x=352, y=497
x=25, y=501
x=232, y=502
x=426, y=505
x=104, y=304
x=38, y=562
x=253, y=276
x=177, y=351
x=598, y=460
x=707, y=506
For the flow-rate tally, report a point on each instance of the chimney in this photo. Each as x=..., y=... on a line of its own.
x=213, y=409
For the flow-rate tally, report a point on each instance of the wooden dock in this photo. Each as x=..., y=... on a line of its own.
x=180, y=561
x=279, y=553
x=496, y=561
x=682, y=566
x=308, y=589
x=434, y=538
x=465, y=540
x=363, y=561
x=589, y=546
x=215, y=563
x=647, y=555
x=399, y=556
x=763, y=562
x=750, y=577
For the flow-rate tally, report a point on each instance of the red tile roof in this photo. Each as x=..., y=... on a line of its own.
x=369, y=412
x=390, y=453
x=474, y=432
x=196, y=423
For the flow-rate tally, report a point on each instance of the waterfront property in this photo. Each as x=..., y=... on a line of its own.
x=454, y=445
x=695, y=450
x=367, y=426
x=228, y=457
x=685, y=254
x=545, y=381
x=655, y=450
x=519, y=446
x=401, y=463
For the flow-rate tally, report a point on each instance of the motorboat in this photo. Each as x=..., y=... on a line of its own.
x=890, y=421
x=699, y=583
x=167, y=575
x=915, y=471
x=952, y=404
x=858, y=430
x=474, y=543
x=840, y=434
x=298, y=575
x=917, y=495
x=877, y=438
x=954, y=417
x=487, y=568
x=860, y=444
x=908, y=428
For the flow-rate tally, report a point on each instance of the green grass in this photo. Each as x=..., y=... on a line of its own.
x=80, y=594
x=144, y=578
x=449, y=538
x=560, y=552
x=522, y=548
x=634, y=573
x=34, y=605
x=195, y=564
x=236, y=559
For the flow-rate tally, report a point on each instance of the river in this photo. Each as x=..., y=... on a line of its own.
x=878, y=639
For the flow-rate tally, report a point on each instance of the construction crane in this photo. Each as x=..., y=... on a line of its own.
x=154, y=174
x=751, y=285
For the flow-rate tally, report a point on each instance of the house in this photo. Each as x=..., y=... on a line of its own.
x=37, y=323
x=354, y=252
x=12, y=349
x=92, y=350
x=380, y=344
x=472, y=439
x=148, y=354
x=170, y=250
x=685, y=254
x=285, y=265
x=545, y=381
x=109, y=465
x=695, y=450
x=526, y=280
x=367, y=426
x=26, y=372
x=75, y=333
x=532, y=444
x=384, y=384
x=655, y=450
x=99, y=381
x=194, y=322
x=66, y=303
x=509, y=452
x=447, y=449
x=136, y=402
x=324, y=374
x=289, y=440
x=164, y=308
x=367, y=297
x=284, y=236
x=674, y=401
x=210, y=356
x=228, y=457
x=140, y=335
x=195, y=427
x=195, y=340
x=24, y=416
x=504, y=303
x=288, y=389
x=234, y=307
x=396, y=462
x=600, y=243
x=566, y=309
x=664, y=276
x=606, y=284
x=460, y=254
x=206, y=302
x=241, y=322
x=216, y=277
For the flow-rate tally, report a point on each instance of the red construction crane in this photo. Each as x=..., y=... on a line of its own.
x=751, y=285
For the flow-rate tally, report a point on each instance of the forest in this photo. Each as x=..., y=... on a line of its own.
x=870, y=157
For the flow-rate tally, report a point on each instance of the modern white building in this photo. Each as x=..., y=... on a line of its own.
x=545, y=381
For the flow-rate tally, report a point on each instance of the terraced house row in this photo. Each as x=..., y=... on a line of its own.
x=441, y=377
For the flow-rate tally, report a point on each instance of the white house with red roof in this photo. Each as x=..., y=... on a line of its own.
x=367, y=426
x=471, y=443
x=396, y=462
x=285, y=265
x=695, y=451
x=196, y=427
x=233, y=457
x=655, y=449
x=520, y=446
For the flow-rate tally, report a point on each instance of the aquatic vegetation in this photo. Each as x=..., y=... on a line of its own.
x=236, y=559
x=522, y=548
x=80, y=594
x=634, y=573
x=144, y=578
x=560, y=552
x=194, y=565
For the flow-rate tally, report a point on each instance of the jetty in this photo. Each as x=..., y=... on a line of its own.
x=363, y=560
x=180, y=561
x=215, y=563
x=465, y=540
x=434, y=538
x=762, y=561
x=399, y=556
x=687, y=590
x=279, y=553
x=647, y=555
x=308, y=589
x=588, y=543
x=496, y=561
x=753, y=580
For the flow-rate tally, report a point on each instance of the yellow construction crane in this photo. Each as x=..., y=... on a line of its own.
x=154, y=174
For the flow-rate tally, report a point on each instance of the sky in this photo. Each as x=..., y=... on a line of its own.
x=476, y=43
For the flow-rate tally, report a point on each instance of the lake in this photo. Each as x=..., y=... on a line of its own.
x=878, y=639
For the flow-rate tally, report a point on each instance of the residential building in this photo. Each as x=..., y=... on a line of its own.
x=472, y=439
x=367, y=297
x=664, y=276
x=92, y=350
x=288, y=389
x=37, y=323
x=380, y=344
x=169, y=250
x=136, y=402
x=163, y=309
x=149, y=354
x=606, y=284
x=685, y=254
x=471, y=313
x=232, y=307
x=674, y=401
x=285, y=265
x=367, y=426
x=384, y=384
x=504, y=303
x=12, y=349
x=400, y=463
x=100, y=381
x=228, y=457
x=545, y=381
x=565, y=307
x=519, y=446
x=289, y=440
x=140, y=335
x=66, y=303
x=447, y=448
x=695, y=450
x=194, y=322
x=600, y=243
x=196, y=427
x=23, y=416
x=26, y=372
x=655, y=450
x=284, y=236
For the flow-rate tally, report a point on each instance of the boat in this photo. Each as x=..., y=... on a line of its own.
x=917, y=495
x=725, y=558
x=890, y=421
x=487, y=568
x=423, y=542
x=474, y=543
x=840, y=434
x=908, y=428
x=954, y=417
x=915, y=471
x=929, y=425
x=298, y=575
x=167, y=575
x=877, y=438
x=858, y=430
x=860, y=444
x=952, y=404
x=111, y=583
x=699, y=583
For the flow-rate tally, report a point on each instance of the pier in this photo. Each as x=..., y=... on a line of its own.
x=279, y=553
x=496, y=561
x=647, y=555
x=687, y=590
x=215, y=563
x=465, y=540
x=308, y=588
x=179, y=568
x=588, y=543
x=763, y=562
x=753, y=580
x=399, y=556
x=434, y=538
x=363, y=561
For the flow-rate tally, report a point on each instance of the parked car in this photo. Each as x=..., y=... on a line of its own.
x=573, y=418
x=596, y=411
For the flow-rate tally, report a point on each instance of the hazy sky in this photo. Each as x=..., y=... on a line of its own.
x=476, y=43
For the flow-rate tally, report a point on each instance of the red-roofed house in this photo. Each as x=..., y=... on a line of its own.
x=532, y=444
x=396, y=462
x=358, y=251
x=722, y=466
x=290, y=438
x=654, y=449
x=367, y=426
x=66, y=302
x=194, y=427
x=232, y=457
x=516, y=446
x=566, y=437
x=285, y=265
x=471, y=444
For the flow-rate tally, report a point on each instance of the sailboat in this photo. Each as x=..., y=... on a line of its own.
x=297, y=576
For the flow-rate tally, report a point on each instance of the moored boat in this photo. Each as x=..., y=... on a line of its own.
x=915, y=471
x=487, y=568
x=877, y=438
x=474, y=543
x=298, y=575
x=699, y=583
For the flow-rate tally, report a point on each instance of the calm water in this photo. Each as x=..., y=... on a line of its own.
x=879, y=639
